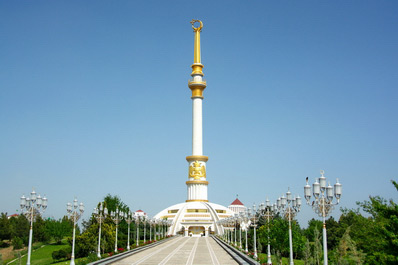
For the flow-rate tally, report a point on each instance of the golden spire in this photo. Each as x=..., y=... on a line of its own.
x=196, y=57
x=197, y=85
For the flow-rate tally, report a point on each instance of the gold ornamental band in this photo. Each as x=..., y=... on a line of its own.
x=197, y=200
x=197, y=182
x=197, y=93
x=197, y=158
x=197, y=69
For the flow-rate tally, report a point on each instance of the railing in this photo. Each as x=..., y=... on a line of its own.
x=235, y=254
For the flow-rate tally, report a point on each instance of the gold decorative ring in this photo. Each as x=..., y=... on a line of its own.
x=193, y=21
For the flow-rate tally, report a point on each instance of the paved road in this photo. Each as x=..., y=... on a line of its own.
x=182, y=250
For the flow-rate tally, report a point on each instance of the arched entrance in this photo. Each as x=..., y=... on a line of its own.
x=196, y=231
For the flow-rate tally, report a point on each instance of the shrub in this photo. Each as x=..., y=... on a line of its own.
x=17, y=243
x=60, y=254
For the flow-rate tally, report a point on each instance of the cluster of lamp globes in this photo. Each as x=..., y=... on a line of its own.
x=323, y=195
x=72, y=209
x=35, y=200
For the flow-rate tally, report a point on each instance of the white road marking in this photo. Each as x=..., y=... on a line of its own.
x=168, y=257
x=154, y=253
x=193, y=251
x=212, y=254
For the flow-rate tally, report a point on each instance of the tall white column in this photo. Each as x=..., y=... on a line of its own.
x=197, y=161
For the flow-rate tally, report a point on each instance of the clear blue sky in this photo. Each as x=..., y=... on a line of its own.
x=94, y=100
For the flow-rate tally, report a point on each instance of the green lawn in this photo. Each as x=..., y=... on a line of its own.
x=263, y=257
x=41, y=256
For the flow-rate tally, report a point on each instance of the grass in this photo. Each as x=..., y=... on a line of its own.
x=263, y=259
x=41, y=256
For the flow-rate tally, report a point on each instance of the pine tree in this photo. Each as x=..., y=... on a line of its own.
x=347, y=250
x=307, y=253
x=317, y=247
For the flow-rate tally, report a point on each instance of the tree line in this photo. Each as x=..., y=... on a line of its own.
x=367, y=235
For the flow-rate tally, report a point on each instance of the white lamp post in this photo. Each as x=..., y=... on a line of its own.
x=292, y=208
x=150, y=229
x=74, y=214
x=169, y=224
x=144, y=222
x=100, y=214
x=268, y=211
x=323, y=203
x=235, y=219
x=116, y=218
x=230, y=225
x=246, y=220
x=137, y=224
x=128, y=218
x=253, y=217
x=31, y=207
x=154, y=228
x=164, y=224
x=240, y=219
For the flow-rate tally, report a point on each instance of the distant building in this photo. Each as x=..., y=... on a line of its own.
x=13, y=215
x=140, y=213
x=237, y=206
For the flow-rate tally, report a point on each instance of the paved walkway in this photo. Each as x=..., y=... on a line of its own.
x=182, y=250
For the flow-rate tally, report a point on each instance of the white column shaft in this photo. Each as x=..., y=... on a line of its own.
x=197, y=130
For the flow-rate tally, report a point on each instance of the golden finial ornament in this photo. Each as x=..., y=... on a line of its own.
x=193, y=21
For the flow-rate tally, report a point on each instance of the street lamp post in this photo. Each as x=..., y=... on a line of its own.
x=268, y=211
x=74, y=215
x=240, y=218
x=154, y=229
x=116, y=218
x=323, y=203
x=128, y=218
x=31, y=207
x=160, y=228
x=230, y=223
x=100, y=214
x=137, y=224
x=150, y=229
x=144, y=222
x=164, y=225
x=235, y=225
x=292, y=208
x=253, y=217
x=169, y=224
x=246, y=221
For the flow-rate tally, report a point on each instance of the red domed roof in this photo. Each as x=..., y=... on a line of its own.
x=237, y=202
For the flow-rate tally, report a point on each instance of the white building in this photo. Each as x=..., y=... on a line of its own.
x=140, y=213
x=237, y=206
x=196, y=216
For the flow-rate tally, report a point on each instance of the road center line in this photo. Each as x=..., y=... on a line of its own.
x=212, y=254
x=193, y=251
x=154, y=253
x=168, y=257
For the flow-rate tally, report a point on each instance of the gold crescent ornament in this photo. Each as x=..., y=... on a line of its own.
x=193, y=21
